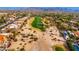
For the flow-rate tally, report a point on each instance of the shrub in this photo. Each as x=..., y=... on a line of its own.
x=57, y=48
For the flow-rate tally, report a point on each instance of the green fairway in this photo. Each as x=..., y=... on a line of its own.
x=37, y=23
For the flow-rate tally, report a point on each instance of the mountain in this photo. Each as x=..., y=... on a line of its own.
x=65, y=9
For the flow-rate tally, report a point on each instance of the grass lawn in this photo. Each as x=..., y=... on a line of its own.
x=37, y=23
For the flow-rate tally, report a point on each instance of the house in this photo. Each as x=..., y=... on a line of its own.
x=13, y=26
x=1, y=38
x=76, y=33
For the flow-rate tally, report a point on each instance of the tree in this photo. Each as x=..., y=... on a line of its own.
x=70, y=46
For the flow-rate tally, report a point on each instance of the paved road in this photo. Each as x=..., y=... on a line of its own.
x=4, y=25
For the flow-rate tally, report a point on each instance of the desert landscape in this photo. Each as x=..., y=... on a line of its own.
x=39, y=29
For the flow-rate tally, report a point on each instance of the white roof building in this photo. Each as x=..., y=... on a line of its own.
x=13, y=26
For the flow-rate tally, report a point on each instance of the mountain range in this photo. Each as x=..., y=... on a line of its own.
x=65, y=9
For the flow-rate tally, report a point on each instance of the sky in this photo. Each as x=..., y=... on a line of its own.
x=66, y=9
